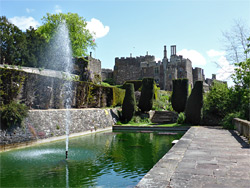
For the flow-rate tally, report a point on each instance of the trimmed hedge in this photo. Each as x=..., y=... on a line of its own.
x=179, y=95
x=129, y=104
x=137, y=84
x=194, y=104
x=147, y=94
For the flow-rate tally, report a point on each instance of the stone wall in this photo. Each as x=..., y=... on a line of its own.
x=107, y=74
x=42, y=124
x=43, y=92
x=242, y=126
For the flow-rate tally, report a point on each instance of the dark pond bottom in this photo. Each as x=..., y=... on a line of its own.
x=98, y=160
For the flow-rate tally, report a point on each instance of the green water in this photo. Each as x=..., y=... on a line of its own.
x=98, y=160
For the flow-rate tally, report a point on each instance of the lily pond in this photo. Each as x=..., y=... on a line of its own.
x=107, y=159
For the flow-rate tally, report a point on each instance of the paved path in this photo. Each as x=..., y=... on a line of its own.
x=203, y=158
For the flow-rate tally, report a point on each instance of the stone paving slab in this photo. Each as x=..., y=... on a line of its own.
x=205, y=157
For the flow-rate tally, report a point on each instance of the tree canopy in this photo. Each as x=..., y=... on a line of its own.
x=81, y=38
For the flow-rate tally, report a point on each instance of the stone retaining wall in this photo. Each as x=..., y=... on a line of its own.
x=242, y=126
x=43, y=124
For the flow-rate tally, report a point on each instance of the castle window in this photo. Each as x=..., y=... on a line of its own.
x=156, y=70
x=145, y=70
x=170, y=76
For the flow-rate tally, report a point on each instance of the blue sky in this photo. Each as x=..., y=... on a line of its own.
x=125, y=26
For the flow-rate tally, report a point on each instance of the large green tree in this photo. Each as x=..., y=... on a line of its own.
x=81, y=38
x=12, y=42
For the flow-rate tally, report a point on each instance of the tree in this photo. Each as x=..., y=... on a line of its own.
x=179, y=95
x=129, y=103
x=236, y=42
x=13, y=43
x=194, y=104
x=36, y=46
x=80, y=37
x=147, y=95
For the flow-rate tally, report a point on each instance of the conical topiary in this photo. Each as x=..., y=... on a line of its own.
x=129, y=103
x=147, y=95
x=194, y=104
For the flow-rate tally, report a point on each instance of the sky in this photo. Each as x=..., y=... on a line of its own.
x=125, y=26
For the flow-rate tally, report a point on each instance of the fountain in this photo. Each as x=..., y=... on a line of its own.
x=62, y=58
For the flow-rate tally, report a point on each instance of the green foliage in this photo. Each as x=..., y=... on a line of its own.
x=194, y=104
x=118, y=96
x=227, y=121
x=12, y=114
x=242, y=87
x=147, y=95
x=216, y=101
x=11, y=82
x=163, y=102
x=137, y=84
x=80, y=37
x=181, y=118
x=129, y=103
x=13, y=43
x=109, y=81
x=179, y=95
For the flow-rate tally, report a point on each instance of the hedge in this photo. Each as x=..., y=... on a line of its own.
x=137, y=84
x=147, y=94
x=129, y=104
x=179, y=95
x=194, y=104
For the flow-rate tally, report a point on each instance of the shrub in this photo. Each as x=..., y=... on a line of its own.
x=194, y=104
x=181, y=118
x=227, y=121
x=137, y=84
x=129, y=103
x=147, y=95
x=179, y=95
x=12, y=114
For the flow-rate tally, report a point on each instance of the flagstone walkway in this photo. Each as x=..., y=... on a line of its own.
x=205, y=157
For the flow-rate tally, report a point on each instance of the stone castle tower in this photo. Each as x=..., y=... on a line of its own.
x=136, y=68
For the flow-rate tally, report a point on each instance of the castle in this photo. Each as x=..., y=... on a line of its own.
x=163, y=72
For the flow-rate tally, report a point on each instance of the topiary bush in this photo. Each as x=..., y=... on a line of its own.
x=12, y=114
x=179, y=95
x=137, y=84
x=129, y=103
x=147, y=95
x=194, y=104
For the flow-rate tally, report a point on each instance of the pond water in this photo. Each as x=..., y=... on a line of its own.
x=109, y=159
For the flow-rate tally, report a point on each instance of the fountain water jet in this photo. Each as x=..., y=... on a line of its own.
x=63, y=54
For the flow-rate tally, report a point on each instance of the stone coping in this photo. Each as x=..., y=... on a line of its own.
x=150, y=128
x=9, y=147
x=160, y=174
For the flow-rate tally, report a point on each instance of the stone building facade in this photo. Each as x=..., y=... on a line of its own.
x=134, y=68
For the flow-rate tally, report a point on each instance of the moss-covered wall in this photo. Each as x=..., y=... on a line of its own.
x=42, y=92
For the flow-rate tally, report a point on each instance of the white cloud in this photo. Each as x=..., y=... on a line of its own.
x=97, y=28
x=58, y=9
x=24, y=22
x=196, y=58
x=226, y=69
x=28, y=10
x=214, y=53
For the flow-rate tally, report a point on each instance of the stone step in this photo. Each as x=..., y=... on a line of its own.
x=164, y=117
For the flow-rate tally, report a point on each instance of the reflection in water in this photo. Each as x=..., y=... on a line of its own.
x=103, y=160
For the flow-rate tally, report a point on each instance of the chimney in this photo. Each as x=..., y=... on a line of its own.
x=165, y=51
x=173, y=50
x=213, y=76
x=130, y=55
x=147, y=52
x=90, y=54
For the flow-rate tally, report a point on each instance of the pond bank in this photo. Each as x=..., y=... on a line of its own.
x=46, y=124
